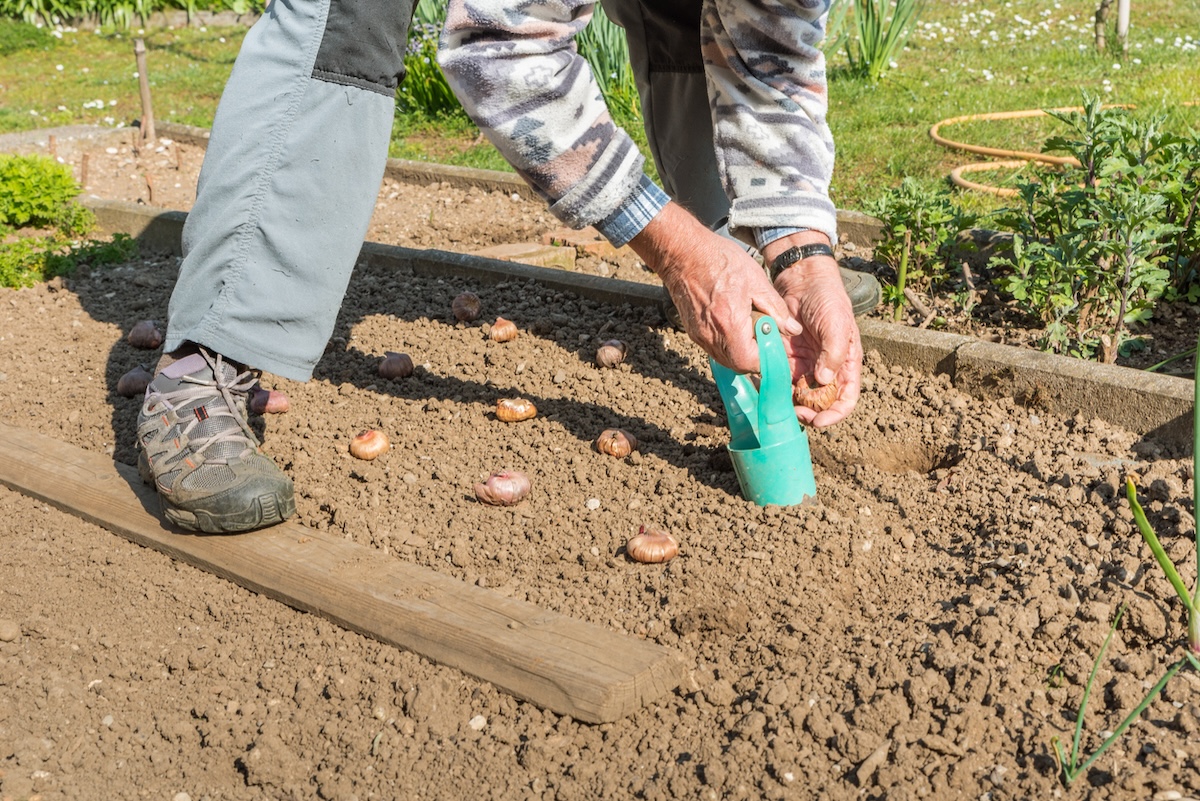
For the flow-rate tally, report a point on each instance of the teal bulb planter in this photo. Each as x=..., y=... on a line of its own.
x=767, y=445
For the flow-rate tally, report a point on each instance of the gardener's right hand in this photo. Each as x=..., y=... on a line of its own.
x=715, y=285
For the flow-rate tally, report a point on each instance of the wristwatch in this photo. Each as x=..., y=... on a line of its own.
x=792, y=255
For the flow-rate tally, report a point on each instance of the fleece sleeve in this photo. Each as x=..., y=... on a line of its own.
x=767, y=86
x=514, y=66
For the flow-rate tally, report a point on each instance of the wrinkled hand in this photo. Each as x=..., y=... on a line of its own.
x=715, y=285
x=829, y=348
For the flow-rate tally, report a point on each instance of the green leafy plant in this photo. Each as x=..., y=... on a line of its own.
x=27, y=261
x=604, y=46
x=1069, y=764
x=1096, y=246
x=919, y=231
x=424, y=90
x=120, y=14
x=34, y=190
x=835, y=25
x=879, y=38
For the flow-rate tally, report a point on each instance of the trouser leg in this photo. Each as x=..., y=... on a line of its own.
x=664, y=50
x=289, y=181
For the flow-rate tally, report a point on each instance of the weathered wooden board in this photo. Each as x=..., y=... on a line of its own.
x=566, y=665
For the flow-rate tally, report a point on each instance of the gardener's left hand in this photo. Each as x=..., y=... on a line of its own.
x=829, y=349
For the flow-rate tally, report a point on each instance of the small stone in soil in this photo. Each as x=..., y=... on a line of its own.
x=9, y=630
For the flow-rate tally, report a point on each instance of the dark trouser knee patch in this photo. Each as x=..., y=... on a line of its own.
x=364, y=44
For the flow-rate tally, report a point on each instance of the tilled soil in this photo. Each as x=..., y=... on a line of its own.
x=925, y=630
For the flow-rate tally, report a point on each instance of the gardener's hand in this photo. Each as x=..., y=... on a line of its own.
x=829, y=348
x=715, y=285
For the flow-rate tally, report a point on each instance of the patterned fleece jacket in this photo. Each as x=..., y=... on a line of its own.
x=514, y=65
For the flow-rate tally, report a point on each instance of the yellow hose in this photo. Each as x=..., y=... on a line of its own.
x=1017, y=158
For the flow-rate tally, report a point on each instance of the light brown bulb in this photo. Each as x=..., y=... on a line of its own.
x=514, y=410
x=611, y=353
x=369, y=444
x=268, y=401
x=651, y=546
x=503, y=330
x=817, y=398
x=615, y=442
x=145, y=335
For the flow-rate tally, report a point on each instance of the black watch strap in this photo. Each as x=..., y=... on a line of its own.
x=792, y=255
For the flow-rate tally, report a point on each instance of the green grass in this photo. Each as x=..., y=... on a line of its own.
x=881, y=130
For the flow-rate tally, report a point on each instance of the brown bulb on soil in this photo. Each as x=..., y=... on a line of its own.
x=268, y=401
x=611, y=353
x=651, y=546
x=466, y=307
x=145, y=335
x=817, y=398
x=615, y=442
x=134, y=383
x=503, y=330
x=514, y=410
x=369, y=444
x=503, y=488
x=396, y=365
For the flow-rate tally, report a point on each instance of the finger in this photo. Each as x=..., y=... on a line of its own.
x=770, y=302
x=835, y=352
x=839, y=411
x=741, y=349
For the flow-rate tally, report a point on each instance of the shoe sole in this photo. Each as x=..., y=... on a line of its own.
x=265, y=510
x=863, y=289
x=268, y=509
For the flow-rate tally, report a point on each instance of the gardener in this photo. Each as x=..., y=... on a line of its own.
x=297, y=155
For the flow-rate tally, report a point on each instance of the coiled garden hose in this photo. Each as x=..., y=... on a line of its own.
x=1014, y=158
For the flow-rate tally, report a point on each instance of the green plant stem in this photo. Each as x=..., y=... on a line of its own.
x=1155, y=367
x=1127, y=722
x=1160, y=554
x=1069, y=768
x=902, y=275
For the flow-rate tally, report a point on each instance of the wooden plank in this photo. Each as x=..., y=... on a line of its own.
x=566, y=665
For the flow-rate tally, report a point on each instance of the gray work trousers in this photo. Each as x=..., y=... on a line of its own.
x=297, y=154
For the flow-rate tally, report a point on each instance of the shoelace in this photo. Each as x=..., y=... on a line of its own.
x=241, y=383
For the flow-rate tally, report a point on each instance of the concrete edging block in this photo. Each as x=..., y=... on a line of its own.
x=1146, y=403
x=929, y=351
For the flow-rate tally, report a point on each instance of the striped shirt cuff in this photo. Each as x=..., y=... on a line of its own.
x=635, y=213
x=765, y=236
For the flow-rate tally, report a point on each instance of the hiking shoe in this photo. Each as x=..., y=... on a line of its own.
x=195, y=446
x=863, y=289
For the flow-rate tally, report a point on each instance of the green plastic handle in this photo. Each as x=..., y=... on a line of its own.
x=777, y=421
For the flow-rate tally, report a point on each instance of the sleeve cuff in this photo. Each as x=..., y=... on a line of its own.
x=634, y=214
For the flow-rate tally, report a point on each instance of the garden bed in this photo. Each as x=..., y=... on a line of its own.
x=925, y=630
